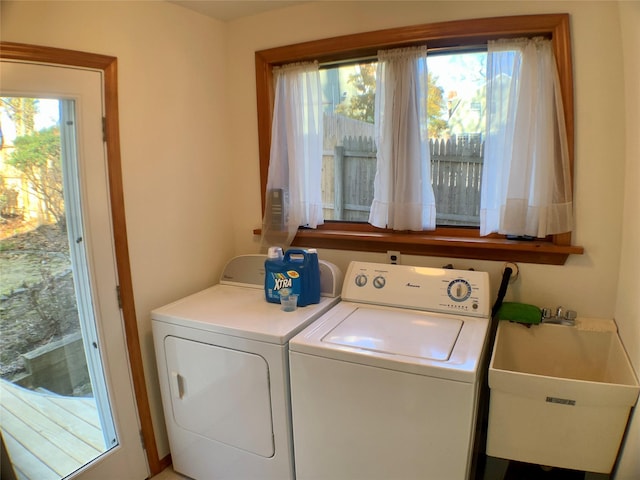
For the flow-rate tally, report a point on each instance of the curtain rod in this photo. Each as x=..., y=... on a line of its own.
x=436, y=51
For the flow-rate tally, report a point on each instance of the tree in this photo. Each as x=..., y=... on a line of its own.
x=37, y=156
x=436, y=107
x=361, y=106
x=22, y=112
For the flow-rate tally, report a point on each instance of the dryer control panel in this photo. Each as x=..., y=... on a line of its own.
x=460, y=292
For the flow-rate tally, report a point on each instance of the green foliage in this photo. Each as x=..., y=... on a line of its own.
x=361, y=106
x=36, y=150
x=37, y=156
x=436, y=107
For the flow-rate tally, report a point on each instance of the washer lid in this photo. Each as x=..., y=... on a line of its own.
x=412, y=341
x=400, y=333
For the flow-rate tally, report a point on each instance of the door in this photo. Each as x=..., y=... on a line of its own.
x=220, y=394
x=71, y=411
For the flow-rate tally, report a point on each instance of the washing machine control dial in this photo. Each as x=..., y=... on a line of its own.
x=459, y=290
x=361, y=280
x=379, y=281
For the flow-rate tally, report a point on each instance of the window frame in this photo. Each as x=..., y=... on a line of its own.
x=443, y=241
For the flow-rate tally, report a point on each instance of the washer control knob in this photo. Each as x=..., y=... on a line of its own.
x=459, y=290
x=379, y=281
x=361, y=280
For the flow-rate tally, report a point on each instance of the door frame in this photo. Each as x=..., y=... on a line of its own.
x=109, y=67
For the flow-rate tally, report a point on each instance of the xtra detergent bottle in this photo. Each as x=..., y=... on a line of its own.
x=306, y=265
x=297, y=273
x=273, y=266
x=314, y=276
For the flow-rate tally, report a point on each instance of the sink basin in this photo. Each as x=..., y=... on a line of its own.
x=560, y=395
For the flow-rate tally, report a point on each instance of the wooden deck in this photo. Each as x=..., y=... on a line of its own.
x=48, y=436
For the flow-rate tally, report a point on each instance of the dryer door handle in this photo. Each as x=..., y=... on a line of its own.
x=178, y=391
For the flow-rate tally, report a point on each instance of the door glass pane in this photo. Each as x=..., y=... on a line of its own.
x=54, y=406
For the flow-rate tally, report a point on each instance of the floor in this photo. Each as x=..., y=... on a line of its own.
x=515, y=471
x=525, y=471
x=169, y=474
x=48, y=436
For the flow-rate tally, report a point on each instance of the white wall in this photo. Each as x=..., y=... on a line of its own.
x=587, y=283
x=190, y=162
x=627, y=310
x=173, y=140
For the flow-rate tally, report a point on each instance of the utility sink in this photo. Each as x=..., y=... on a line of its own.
x=560, y=395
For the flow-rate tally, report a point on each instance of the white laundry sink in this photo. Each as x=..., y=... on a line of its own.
x=560, y=395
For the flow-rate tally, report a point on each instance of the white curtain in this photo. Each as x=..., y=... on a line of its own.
x=403, y=195
x=526, y=188
x=293, y=196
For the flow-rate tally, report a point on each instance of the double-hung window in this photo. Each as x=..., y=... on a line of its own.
x=413, y=139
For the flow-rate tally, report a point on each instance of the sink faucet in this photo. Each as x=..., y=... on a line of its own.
x=561, y=317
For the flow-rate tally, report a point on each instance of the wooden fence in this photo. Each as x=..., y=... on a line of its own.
x=456, y=172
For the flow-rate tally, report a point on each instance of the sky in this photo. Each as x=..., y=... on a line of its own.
x=460, y=73
x=49, y=113
x=46, y=117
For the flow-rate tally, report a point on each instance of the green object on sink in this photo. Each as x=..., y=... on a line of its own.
x=520, y=312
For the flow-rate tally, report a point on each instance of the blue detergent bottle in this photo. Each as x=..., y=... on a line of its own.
x=298, y=272
x=314, y=275
x=273, y=270
x=306, y=265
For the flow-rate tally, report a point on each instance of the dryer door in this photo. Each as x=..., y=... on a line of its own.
x=221, y=394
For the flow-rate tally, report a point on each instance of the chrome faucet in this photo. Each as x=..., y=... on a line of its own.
x=561, y=317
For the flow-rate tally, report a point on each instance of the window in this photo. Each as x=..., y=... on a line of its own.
x=456, y=124
x=456, y=235
x=349, y=150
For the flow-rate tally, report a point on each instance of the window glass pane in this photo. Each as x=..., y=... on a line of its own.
x=456, y=134
x=456, y=111
x=349, y=160
x=53, y=402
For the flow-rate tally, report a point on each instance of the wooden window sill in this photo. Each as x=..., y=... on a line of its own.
x=538, y=251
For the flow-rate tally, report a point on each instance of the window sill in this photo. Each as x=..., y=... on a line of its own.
x=498, y=248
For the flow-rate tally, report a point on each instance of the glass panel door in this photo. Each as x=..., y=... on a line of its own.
x=67, y=408
x=54, y=402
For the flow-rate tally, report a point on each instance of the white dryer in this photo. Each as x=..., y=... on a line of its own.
x=223, y=366
x=385, y=385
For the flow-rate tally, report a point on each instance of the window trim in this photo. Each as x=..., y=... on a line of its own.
x=444, y=241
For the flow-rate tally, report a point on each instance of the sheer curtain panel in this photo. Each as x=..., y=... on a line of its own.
x=293, y=195
x=526, y=189
x=403, y=196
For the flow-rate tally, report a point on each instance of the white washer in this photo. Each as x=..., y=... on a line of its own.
x=222, y=358
x=385, y=385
